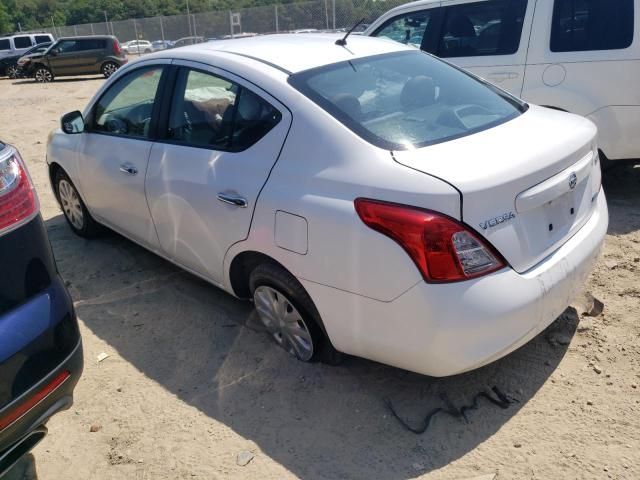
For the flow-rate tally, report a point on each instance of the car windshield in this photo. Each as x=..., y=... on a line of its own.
x=406, y=100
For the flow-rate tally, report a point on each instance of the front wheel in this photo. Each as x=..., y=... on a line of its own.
x=109, y=69
x=75, y=211
x=43, y=75
x=289, y=315
x=12, y=71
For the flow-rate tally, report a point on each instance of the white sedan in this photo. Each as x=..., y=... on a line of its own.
x=370, y=198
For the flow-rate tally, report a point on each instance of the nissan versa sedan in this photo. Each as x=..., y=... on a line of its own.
x=371, y=199
x=40, y=349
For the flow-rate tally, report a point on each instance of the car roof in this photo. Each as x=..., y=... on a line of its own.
x=86, y=37
x=293, y=53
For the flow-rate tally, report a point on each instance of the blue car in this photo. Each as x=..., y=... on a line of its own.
x=40, y=347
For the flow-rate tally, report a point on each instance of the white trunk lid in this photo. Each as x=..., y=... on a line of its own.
x=527, y=186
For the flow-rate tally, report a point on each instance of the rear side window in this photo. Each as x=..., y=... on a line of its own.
x=4, y=44
x=583, y=25
x=125, y=109
x=92, y=44
x=22, y=42
x=42, y=38
x=409, y=28
x=484, y=28
x=209, y=111
x=406, y=100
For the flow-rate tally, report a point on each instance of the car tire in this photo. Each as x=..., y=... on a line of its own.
x=289, y=315
x=109, y=68
x=12, y=72
x=147, y=51
x=43, y=75
x=74, y=209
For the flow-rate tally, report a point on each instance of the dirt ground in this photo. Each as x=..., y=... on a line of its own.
x=191, y=383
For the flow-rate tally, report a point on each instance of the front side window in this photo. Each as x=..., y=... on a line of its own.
x=409, y=29
x=479, y=29
x=22, y=42
x=209, y=111
x=126, y=108
x=66, y=46
x=583, y=25
x=5, y=44
x=406, y=100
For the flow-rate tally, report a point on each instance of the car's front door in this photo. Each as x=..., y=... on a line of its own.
x=221, y=139
x=114, y=152
x=63, y=58
x=488, y=37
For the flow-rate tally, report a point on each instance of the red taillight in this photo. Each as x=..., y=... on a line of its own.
x=34, y=400
x=443, y=249
x=18, y=200
x=116, y=48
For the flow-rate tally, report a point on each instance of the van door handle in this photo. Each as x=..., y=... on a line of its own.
x=128, y=169
x=231, y=199
x=502, y=76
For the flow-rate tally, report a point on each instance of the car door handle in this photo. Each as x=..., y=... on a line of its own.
x=128, y=169
x=232, y=200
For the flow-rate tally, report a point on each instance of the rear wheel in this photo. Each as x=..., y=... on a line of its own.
x=12, y=71
x=43, y=75
x=75, y=211
x=289, y=315
x=109, y=69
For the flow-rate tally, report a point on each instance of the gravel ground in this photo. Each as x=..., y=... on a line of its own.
x=192, y=389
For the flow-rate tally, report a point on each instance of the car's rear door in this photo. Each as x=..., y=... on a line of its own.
x=114, y=151
x=414, y=25
x=222, y=137
x=89, y=52
x=487, y=37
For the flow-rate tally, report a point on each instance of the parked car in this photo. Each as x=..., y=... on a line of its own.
x=580, y=56
x=78, y=56
x=137, y=47
x=40, y=348
x=18, y=44
x=372, y=199
x=184, y=41
x=158, y=45
x=9, y=65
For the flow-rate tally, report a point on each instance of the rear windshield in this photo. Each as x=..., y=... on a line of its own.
x=406, y=100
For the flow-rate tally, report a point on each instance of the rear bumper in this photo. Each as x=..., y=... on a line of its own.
x=443, y=330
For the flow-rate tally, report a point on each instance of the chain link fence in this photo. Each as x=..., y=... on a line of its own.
x=320, y=15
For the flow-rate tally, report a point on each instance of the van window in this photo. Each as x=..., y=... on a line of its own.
x=42, y=38
x=408, y=28
x=4, y=44
x=22, y=42
x=582, y=25
x=484, y=28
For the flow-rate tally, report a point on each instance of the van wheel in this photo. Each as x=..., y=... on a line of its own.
x=289, y=315
x=75, y=211
x=12, y=71
x=109, y=69
x=43, y=75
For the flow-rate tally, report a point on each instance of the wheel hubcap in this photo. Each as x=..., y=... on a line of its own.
x=109, y=69
x=71, y=204
x=284, y=322
x=43, y=75
x=12, y=71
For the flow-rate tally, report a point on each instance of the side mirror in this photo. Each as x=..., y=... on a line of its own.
x=72, y=123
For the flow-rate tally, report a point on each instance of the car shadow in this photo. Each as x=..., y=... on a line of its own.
x=207, y=348
x=622, y=186
x=26, y=81
x=24, y=469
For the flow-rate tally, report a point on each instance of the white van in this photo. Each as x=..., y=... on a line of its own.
x=12, y=45
x=582, y=56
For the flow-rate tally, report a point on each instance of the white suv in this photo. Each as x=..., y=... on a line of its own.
x=16, y=44
x=581, y=56
x=137, y=46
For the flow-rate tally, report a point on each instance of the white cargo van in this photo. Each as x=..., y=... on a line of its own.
x=582, y=56
x=12, y=45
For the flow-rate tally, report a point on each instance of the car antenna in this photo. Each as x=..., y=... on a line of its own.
x=343, y=41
